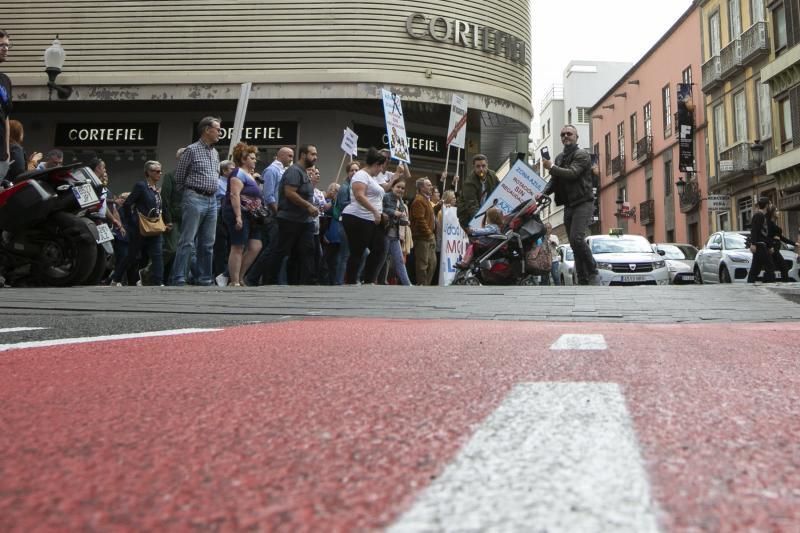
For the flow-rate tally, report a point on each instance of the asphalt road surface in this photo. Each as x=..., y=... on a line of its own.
x=405, y=409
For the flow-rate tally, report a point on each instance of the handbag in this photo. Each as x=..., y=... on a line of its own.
x=538, y=260
x=150, y=226
x=257, y=212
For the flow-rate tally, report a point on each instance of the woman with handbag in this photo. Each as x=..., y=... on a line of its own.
x=240, y=211
x=145, y=202
x=396, y=210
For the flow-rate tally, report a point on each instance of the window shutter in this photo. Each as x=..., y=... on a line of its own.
x=794, y=104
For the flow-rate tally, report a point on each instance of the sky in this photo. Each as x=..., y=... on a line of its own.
x=598, y=30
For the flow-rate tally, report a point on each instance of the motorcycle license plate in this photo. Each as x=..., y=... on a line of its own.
x=633, y=279
x=104, y=234
x=85, y=195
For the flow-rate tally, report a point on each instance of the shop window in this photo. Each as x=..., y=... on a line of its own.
x=724, y=221
x=745, y=207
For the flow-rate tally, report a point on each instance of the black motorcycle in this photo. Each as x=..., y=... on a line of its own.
x=45, y=236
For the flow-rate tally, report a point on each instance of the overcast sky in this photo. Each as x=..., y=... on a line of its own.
x=600, y=30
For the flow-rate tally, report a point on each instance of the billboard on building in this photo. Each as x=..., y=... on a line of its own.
x=685, y=128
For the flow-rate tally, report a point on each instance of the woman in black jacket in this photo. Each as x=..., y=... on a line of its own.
x=145, y=198
x=775, y=237
x=20, y=163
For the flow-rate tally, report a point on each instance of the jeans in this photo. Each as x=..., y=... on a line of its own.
x=344, y=253
x=576, y=221
x=398, y=261
x=199, y=221
x=153, y=247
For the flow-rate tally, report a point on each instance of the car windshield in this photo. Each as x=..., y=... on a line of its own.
x=616, y=246
x=735, y=241
x=678, y=252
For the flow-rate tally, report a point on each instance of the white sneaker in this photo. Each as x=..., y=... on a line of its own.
x=221, y=280
x=117, y=284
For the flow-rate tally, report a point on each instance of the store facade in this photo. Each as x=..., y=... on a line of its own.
x=142, y=80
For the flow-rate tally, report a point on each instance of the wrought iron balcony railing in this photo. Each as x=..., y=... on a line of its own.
x=644, y=149
x=755, y=42
x=730, y=59
x=617, y=166
x=647, y=212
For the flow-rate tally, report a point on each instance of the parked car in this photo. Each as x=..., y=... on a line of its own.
x=566, y=268
x=627, y=260
x=725, y=258
x=680, y=261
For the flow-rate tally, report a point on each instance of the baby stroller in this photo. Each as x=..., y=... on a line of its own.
x=500, y=259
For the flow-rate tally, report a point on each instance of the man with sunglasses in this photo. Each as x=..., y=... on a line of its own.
x=5, y=108
x=571, y=181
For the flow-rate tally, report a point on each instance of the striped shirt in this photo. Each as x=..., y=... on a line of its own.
x=198, y=168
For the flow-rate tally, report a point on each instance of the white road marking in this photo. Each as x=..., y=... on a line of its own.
x=580, y=342
x=553, y=457
x=14, y=330
x=84, y=340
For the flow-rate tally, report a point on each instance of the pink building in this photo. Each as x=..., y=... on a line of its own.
x=635, y=129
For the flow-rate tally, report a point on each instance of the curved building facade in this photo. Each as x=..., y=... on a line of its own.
x=315, y=68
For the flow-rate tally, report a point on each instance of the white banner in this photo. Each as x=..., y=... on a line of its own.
x=350, y=142
x=519, y=185
x=395, y=127
x=457, y=130
x=718, y=202
x=241, y=112
x=454, y=245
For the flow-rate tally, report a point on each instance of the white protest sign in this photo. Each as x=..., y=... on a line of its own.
x=454, y=245
x=395, y=127
x=519, y=185
x=457, y=130
x=350, y=142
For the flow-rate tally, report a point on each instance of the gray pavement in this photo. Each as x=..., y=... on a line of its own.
x=109, y=310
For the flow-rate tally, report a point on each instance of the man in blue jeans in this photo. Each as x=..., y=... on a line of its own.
x=198, y=176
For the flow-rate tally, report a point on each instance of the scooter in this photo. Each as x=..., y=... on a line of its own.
x=45, y=236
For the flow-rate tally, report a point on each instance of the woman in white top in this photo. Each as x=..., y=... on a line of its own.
x=362, y=220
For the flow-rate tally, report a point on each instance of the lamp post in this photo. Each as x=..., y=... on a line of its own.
x=681, y=186
x=54, y=58
x=757, y=149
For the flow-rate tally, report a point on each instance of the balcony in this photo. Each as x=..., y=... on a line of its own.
x=730, y=59
x=617, y=166
x=736, y=161
x=712, y=74
x=755, y=43
x=644, y=149
x=647, y=212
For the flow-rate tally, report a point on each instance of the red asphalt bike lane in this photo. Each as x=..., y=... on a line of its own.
x=336, y=425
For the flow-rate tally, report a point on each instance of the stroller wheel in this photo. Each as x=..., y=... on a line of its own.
x=465, y=277
x=528, y=281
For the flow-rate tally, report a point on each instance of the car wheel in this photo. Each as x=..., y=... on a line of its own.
x=724, y=275
x=698, y=278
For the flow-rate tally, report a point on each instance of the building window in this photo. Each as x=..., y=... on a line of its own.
x=724, y=221
x=548, y=126
x=779, y=27
x=543, y=132
x=734, y=19
x=647, y=112
x=607, y=143
x=634, y=137
x=757, y=11
x=648, y=182
x=739, y=117
x=714, y=33
x=668, y=185
x=686, y=75
x=720, y=140
x=621, y=140
x=666, y=108
x=583, y=115
x=786, y=121
x=745, y=206
x=764, y=111
x=569, y=116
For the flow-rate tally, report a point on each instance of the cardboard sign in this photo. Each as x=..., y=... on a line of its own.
x=395, y=127
x=350, y=142
x=454, y=245
x=457, y=130
x=519, y=185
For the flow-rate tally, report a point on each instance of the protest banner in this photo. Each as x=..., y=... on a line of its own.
x=395, y=127
x=349, y=147
x=238, y=120
x=454, y=245
x=519, y=185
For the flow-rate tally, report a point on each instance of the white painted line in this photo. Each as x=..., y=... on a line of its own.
x=84, y=340
x=580, y=342
x=556, y=457
x=14, y=330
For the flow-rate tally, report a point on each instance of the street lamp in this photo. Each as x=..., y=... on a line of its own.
x=757, y=150
x=681, y=186
x=54, y=58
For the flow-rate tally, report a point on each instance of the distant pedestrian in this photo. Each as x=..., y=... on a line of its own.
x=52, y=159
x=198, y=175
x=171, y=200
x=5, y=107
x=571, y=181
x=423, y=224
x=20, y=161
x=760, y=244
x=776, y=238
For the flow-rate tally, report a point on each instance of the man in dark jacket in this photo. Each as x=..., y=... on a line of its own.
x=571, y=181
x=475, y=189
x=760, y=244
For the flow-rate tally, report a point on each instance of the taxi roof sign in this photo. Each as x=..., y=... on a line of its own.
x=616, y=232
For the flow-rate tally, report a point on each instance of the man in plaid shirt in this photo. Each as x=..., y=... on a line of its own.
x=197, y=175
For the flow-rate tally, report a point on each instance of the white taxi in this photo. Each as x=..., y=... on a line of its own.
x=627, y=260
